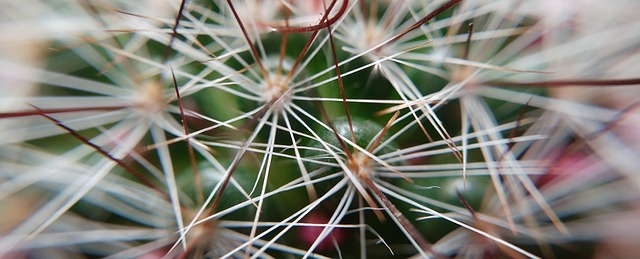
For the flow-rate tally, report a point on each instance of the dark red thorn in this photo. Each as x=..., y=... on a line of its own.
x=87, y=142
x=192, y=156
x=61, y=110
x=174, y=31
x=319, y=26
x=254, y=51
x=568, y=83
x=308, y=44
x=341, y=85
x=427, y=18
x=325, y=116
x=467, y=47
x=466, y=204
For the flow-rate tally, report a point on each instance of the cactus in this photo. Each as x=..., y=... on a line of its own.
x=320, y=128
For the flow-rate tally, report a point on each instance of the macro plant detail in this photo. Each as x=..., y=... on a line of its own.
x=320, y=128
